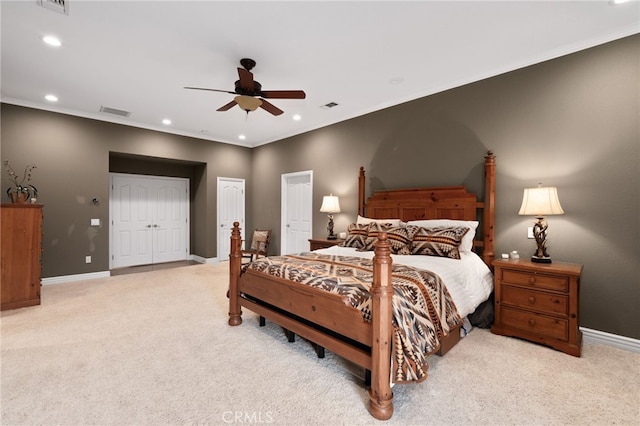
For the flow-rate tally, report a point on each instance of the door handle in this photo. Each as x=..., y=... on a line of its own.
x=155, y=225
x=148, y=226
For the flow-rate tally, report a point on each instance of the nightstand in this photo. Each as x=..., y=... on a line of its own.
x=320, y=243
x=539, y=302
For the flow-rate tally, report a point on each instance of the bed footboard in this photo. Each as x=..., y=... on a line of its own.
x=321, y=317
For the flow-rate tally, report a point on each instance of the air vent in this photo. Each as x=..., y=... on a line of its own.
x=115, y=111
x=60, y=6
x=329, y=105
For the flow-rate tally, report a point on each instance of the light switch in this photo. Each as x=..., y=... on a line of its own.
x=95, y=222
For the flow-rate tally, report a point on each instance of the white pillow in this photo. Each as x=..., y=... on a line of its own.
x=467, y=240
x=364, y=220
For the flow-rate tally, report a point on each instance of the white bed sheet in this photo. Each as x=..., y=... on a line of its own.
x=468, y=279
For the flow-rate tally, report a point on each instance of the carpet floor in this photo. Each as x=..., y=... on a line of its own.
x=154, y=348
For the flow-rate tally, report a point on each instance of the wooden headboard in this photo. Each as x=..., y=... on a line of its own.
x=451, y=202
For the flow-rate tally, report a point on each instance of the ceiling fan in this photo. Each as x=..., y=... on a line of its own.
x=250, y=95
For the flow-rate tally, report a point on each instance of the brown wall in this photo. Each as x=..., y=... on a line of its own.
x=74, y=157
x=573, y=122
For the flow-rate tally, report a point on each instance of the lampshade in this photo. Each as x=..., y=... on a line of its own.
x=247, y=103
x=541, y=201
x=330, y=204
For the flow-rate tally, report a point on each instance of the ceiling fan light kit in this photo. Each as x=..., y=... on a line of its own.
x=247, y=103
x=250, y=95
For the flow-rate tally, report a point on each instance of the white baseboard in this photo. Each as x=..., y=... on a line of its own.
x=77, y=277
x=600, y=337
x=200, y=259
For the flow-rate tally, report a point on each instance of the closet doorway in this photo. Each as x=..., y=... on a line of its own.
x=149, y=218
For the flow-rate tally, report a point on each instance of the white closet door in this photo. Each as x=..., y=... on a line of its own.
x=231, y=206
x=297, y=212
x=170, y=226
x=149, y=220
x=132, y=221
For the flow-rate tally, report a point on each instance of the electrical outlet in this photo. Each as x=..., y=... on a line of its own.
x=530, y=232
x=87, y=259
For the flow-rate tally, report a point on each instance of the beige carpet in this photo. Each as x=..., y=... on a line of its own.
x=155, y=349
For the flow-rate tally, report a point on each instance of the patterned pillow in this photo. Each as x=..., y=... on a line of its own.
x=259, y=239
x=357, y=235
x=399, y=237
x=441, y=242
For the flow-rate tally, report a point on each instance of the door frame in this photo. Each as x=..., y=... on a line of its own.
x=284, y=182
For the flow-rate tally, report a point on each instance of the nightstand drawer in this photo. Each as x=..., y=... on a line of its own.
x=537, y=324
x=536, y=280
x=535, y=300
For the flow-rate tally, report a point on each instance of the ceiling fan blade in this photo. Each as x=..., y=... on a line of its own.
x=210, y=90
x=283, y=94
x=269, y=107
x=246, y=80
x=227, y=106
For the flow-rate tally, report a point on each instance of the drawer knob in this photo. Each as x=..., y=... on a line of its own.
x=532, y=280
x=532, y=322
x=532, y=299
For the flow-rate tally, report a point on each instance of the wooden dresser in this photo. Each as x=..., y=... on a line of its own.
x=20, y=250
x=539, y=302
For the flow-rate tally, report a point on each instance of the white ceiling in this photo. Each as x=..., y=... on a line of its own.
x=363, y=55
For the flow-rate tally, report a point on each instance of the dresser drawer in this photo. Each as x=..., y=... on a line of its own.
x=536, y=280
x=539, y=301
x=534, y=323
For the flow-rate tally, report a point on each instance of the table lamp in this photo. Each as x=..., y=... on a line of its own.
x=330, y=205
x=540, y=202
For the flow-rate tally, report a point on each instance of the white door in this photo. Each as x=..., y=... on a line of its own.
x=230, y=209
x=149, y=219
x=297, y=214
x=170, y=230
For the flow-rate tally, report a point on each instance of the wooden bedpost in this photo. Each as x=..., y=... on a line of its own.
x=380, y=395
x=235, y=263
x=488, y=251
x=361, y=195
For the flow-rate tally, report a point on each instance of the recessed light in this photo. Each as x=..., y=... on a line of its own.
x=52, y=41
x=51, y=98
x=396, y=80
x=166, y=121
x=297, y=117
x=242, y=137
x=616, y=2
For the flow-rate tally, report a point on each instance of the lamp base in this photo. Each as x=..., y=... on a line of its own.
x=332, y=237
x=536, y=259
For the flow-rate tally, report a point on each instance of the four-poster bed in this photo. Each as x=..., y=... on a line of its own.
x=330, y=320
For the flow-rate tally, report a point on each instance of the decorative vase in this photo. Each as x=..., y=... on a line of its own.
x=18, y=197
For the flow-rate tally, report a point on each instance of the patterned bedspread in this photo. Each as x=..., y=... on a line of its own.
x=423, y=310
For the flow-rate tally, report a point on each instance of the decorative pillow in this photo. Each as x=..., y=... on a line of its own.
x=467, y=240
x=259, y=239
x=441, y=242
x=390, y=222
x=399, y=237
x=357, y=235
